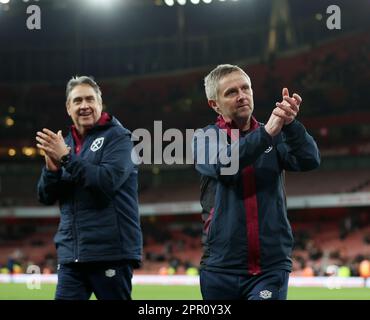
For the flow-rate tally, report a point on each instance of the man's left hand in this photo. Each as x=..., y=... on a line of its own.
x=52, y=143
x=290, y=105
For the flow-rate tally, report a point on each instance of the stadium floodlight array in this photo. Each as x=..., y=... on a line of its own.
x=102, y=3
x=183, y=2
x=8, y=1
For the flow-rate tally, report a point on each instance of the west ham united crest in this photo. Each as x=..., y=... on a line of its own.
x=97, y=144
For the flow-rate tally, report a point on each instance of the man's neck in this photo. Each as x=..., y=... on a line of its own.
x=81, y=132
x=243, y=124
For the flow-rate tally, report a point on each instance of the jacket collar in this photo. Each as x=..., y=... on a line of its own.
x=222, y=124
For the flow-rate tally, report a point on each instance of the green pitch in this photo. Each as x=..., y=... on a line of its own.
x=20, y=292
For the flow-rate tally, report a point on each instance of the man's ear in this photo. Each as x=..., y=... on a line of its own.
x=67, y=107
x=214, y=106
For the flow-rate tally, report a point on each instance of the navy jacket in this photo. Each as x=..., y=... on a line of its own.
x=98, y=198
x=246, y=229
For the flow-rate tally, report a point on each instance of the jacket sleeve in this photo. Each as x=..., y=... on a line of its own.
x=114, y=168
x=48, y=186
x=215, y=157
x=298, y=150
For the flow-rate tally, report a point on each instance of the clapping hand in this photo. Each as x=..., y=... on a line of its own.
x=54, y=147
x=288, y=107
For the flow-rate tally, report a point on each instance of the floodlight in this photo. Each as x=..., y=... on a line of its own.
x=169, y=2
x=102, y=3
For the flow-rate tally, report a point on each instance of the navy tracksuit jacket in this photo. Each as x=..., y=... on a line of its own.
x=97, y=194
x=246, y=229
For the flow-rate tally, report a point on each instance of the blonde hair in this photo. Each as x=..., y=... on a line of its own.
x=212, y=79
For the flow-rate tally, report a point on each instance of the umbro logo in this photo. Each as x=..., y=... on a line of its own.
x=268, y=149
x=97, y=144
x=110, y=273
x=266, y=294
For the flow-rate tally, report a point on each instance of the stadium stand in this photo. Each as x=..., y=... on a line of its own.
x=327, y=182
x=323, y=237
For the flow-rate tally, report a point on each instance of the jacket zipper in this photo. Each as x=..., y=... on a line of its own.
x=74, y=230
x=74, y=210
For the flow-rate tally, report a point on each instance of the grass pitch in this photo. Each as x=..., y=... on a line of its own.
x=19, y=291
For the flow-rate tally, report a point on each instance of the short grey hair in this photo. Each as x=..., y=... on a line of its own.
x=78, y=80
x=212, y=79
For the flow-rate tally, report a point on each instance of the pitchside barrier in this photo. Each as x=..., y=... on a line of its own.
x=33, y=281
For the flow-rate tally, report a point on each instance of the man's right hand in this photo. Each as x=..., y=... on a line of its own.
x=51, y=164
x=274, y=125
x=284, y=113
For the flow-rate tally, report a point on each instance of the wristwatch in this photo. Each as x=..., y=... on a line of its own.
x=64, y=160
